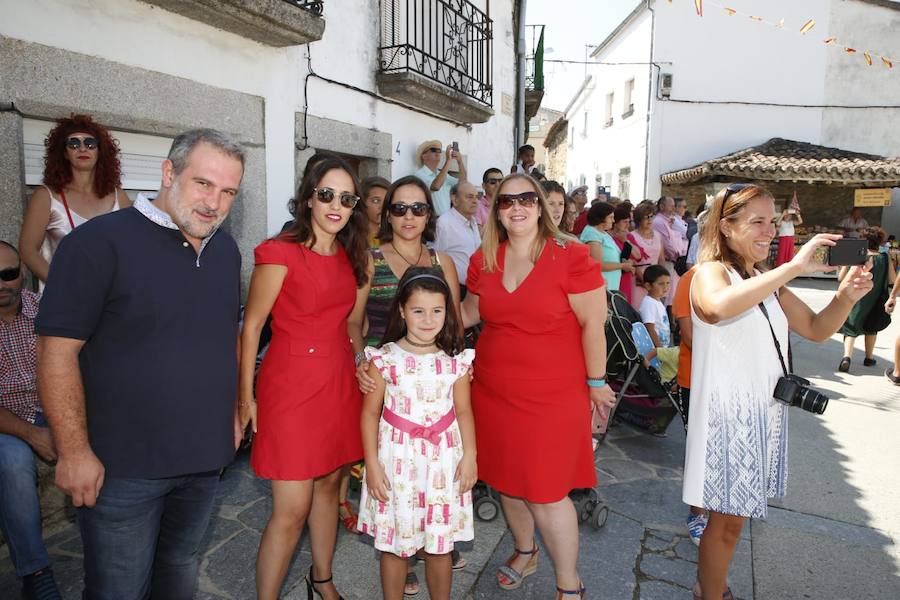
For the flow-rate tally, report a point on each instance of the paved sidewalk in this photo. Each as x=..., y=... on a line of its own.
x=835, y=536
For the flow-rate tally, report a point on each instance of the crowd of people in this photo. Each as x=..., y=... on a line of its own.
x=140, y=358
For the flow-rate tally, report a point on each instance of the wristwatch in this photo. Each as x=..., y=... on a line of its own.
x=359, y=357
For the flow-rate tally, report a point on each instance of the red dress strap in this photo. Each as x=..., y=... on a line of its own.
x=66, y=205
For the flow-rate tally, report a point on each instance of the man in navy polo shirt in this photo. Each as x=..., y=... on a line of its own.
x=137, y=369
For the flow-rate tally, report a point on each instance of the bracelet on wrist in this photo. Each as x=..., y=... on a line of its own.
x=596, y=382
x=359, y=357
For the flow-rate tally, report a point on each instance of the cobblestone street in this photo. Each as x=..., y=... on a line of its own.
x=834, y=536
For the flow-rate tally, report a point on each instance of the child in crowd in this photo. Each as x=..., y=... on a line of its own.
x=653, y=312
x=419, y=436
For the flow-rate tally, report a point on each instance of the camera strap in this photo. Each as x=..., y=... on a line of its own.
x=789, y=367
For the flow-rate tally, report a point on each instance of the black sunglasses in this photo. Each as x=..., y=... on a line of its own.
x=75, y=143
x=325, y=195
x=494, y=180
x=10, y=274
x=419, y=209
x=434, y=150
x=525, y=200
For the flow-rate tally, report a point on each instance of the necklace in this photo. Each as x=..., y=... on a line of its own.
x=412, y=264
x=416, y=344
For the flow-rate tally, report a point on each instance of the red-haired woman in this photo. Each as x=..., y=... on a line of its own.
x=82, y=180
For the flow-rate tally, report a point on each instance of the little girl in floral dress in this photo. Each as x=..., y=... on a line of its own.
x=419, y=436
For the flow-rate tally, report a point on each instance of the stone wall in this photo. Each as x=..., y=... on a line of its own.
x=43, y=82
x=557, y=149
x=824, y=205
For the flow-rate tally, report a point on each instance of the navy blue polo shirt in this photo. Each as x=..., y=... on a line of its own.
x=160, y=325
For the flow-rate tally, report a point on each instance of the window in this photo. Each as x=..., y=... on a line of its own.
x=610, y=99
x=140, y=155
x=582, y=180
x=584, y=131
x=607, y=181
x=628, y=99
x=572, y=138
x=624, y=183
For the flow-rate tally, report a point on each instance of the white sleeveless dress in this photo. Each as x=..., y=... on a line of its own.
x=736, y=455
x=59, y=226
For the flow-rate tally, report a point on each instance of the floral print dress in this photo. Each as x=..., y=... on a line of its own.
x=425, y=508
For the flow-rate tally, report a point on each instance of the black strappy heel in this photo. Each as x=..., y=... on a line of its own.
x=311, y=591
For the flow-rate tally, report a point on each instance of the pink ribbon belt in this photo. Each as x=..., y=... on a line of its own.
x=431, y=433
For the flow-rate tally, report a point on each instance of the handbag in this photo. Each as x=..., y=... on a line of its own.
x=681, y=266
x=878, y=320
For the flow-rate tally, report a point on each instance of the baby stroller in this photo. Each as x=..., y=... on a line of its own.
x=642, y=398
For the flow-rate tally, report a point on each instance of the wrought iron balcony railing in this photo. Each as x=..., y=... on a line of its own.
x=447, y=41
x=534, y=59
x=314, y=6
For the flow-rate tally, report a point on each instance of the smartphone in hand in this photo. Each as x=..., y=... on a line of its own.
x=848, y=251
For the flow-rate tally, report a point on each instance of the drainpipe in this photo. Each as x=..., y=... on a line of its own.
x=649, y=98
x=520, y=95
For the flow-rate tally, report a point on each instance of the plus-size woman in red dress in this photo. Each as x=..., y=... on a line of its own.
x=307, y=418
x=541, y=360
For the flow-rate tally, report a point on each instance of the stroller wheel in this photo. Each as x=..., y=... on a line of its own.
x=598, y=520
x=486, y=508
x=585, y=509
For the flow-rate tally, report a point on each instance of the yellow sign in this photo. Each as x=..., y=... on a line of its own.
x=872, y=197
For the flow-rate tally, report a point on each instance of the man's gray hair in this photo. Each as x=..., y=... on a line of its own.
x=185, y=142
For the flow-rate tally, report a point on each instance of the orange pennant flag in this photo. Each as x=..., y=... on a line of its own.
x=730, y=11
x=850, y=50
x=807, y=26
x=829, y=41
x=887, y=63
x=868, y=58
x=698, y=6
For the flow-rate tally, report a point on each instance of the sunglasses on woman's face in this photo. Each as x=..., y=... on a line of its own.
x=74, y=143
x=10, y=274
x=525, y=200
x=325, y=195
x=419, y=209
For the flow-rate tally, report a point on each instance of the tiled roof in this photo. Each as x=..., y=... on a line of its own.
x=787, y=160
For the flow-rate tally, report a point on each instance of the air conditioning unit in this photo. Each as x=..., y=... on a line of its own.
x=665, y=84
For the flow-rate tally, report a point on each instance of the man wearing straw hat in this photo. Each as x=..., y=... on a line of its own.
x=428, y=157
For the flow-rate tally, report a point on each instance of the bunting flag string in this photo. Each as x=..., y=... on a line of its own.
x=868, y=55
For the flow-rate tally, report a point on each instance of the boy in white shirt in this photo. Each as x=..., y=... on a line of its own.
x=653, y=312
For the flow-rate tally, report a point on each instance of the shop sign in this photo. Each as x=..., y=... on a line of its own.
x=872, y=197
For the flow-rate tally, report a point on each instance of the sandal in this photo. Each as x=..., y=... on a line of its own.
x=459, y=562
x=411, y=588
x=350, y=520
x=579, y=592
x=514, y=577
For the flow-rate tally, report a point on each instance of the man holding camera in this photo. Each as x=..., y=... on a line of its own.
x=428, y=157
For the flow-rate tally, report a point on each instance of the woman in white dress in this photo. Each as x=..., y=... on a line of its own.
x=737, y=434
x=82, y=180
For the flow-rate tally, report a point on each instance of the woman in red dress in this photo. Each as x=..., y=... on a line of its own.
x=541, y=360
x=307, y=418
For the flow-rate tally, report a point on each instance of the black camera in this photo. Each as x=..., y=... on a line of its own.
x=795, y=391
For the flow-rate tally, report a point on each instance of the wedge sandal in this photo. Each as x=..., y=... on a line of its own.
x=515, y=578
